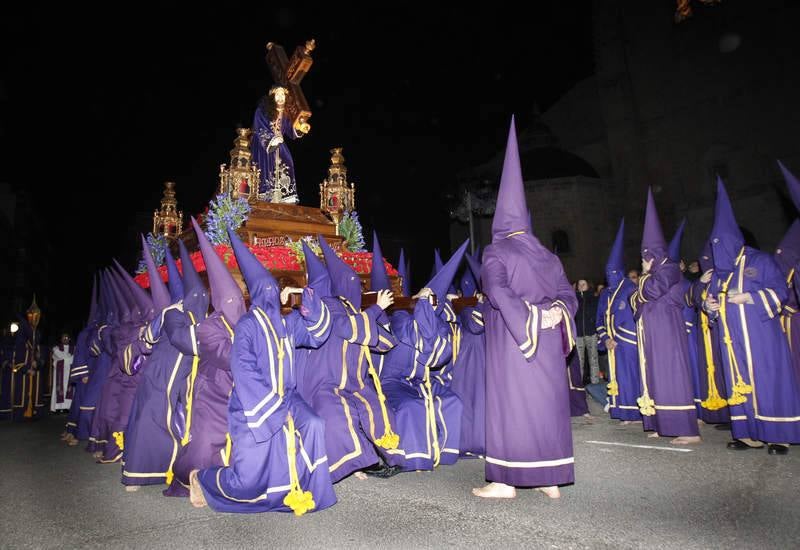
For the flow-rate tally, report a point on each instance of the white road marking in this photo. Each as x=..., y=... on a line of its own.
x=640, y=446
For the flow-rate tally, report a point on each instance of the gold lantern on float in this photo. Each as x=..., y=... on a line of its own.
x=242, y=177
x=168, y=221
x=336, y=194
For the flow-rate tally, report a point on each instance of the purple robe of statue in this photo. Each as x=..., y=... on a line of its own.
x=423, y=344
x=277, y=460
x=276, y=164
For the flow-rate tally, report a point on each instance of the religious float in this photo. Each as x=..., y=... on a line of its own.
x=257, y=197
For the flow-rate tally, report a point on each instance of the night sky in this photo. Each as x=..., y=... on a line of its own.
x=106, y=107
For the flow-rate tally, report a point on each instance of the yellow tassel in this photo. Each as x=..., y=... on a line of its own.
x=226, y=456
x=713, y=401
x=740, y=388
x=613, y=386
x=298, y=500
x=389, y=440
x=189, y=398
x=119, y=437
x=431, y=414
x=170, y=476
x=646, y=405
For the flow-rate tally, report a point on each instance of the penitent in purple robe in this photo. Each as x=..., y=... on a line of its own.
x=577, y=392
x=422, y=343
x=690, y=319
x=788, y=258
x=204, y=432
x=111, y=418
x=615, y=321
x=340, y=378
x=277, y=460
x=764, y=394
x=157, y=422
x=526, y=388
x=469, y=376
x=713, y=405
x=416, y=380
x=667, y=401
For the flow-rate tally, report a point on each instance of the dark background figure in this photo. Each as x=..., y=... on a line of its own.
x=586, y=340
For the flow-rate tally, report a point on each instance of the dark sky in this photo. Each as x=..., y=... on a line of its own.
x=107, y=106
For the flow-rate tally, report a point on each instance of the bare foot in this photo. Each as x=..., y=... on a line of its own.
x=65, y=435
x=653, y=435
x=588, y=418
x=73, y=442
x=97, y=454
x=625, y=423
x=132, y=488
x=686, y=440
x=196, y=496
x=552, y=492
x=495, y=490
x=360, y=475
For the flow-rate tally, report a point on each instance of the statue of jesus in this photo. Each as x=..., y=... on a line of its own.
x=270, y=152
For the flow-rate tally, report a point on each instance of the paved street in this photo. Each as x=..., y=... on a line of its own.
x=625, y=497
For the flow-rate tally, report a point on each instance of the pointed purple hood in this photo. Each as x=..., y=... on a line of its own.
x=264, y=290
x=437, y=266
x=344, y=281
x=726, y=237
x=142, y=300
x=792, y=183
x=468, y=284
x=226, y=297
x=788, y=253
x=615, y=265
x=94, y=312
x=317, y=273
x=674, y=248
x=123, y=309
x=173, y=278
x=195, y=293
x=654, y=246
x=405, y=274
x=378, y=278
x=107, y=307
x=706, y=260
x=474, y=268
x=440, y=283
x=511, y=211
x=158, y=290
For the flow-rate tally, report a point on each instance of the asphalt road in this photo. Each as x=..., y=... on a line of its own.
x=625, y=497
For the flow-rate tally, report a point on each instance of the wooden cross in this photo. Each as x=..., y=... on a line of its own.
x=289, y=73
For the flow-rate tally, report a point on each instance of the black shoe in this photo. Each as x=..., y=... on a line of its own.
x=722, y=427
x=383, y=471
x=737, y=445
x=777, y=449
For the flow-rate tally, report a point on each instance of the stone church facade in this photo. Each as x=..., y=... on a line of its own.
x=668, y=106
